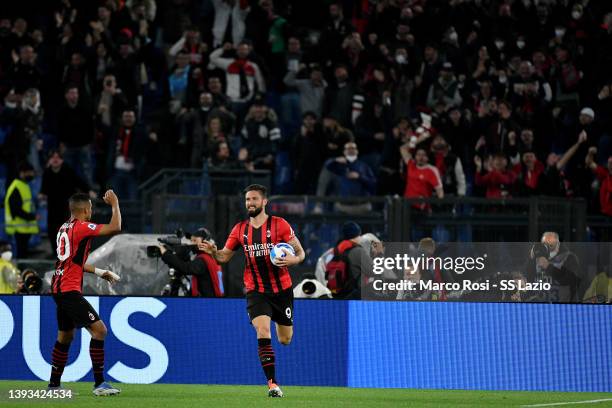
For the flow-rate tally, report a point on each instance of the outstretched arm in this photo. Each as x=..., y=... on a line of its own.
x=582, y=137
x=405, y=151
x=222, y=256
x=107, y=275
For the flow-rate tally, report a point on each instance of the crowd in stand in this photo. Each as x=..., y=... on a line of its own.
x=491, y=98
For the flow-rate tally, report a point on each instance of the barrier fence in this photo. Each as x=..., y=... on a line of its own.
x=485, y=346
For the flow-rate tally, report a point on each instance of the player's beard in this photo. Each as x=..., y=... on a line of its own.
x=254, y=213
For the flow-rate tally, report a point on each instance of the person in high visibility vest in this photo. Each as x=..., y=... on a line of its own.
x=19, y=211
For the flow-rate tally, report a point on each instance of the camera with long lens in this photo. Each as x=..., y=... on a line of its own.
x=32, y=283
x=173, y=243
x=539, y=250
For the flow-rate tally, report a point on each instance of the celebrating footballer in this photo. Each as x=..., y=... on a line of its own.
x=73, y=310
x=268, y=285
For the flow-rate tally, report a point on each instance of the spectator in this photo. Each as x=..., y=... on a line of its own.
x=75, y=127
x=449, y=167
x=59, y=183
x=370, y=130
x=355, y=179
x=445, y=90
x=311, y=89
x=127, y=147
x=604, y=176
x=221, y=158
x=190, y=44
x=76, y=73
x=308, y=154
x=552, y=180
x=528, y=174
x=528, y=92
x=343, y=101
x=23, y=117
x=389, y=178
x=178, y=80
x=215, y=87
x=497, y=179
x=260, y=135
x=19, y=210
x=422, y=179
x=25, y=74
x=110, y=103
x=209, y=125
x=334, y=33
x=243, y=77
x=497, y=128
x=336, y=137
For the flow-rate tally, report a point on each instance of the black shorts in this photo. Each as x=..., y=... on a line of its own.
x=279, y=306
x=74, y=311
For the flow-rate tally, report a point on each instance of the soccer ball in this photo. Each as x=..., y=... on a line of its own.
x=279, y=251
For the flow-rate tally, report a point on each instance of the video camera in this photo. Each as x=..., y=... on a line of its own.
x=173, y=243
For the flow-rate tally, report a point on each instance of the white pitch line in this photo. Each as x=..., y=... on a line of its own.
x=554, y=404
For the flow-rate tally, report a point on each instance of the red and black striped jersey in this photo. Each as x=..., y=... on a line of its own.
x=73, y=245
x=260, y=274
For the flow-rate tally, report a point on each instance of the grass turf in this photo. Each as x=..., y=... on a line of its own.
x=221, y=396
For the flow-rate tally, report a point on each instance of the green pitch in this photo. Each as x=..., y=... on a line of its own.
x=223, y=396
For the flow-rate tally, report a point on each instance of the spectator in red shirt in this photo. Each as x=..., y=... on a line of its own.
x=604, y=175
x=498, y=179
x=528, y=173
x=422, y=179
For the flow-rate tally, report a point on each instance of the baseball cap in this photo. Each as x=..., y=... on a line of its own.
x=351, y=230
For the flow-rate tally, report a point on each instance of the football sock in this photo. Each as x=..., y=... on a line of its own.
x=59, y=358
x=96, y=351
x=266, y=357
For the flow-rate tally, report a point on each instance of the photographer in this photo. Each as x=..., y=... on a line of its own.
x=29, y=283
x=206, y=275
x=552, y=262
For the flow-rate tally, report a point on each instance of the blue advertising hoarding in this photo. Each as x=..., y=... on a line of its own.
x=489, y=346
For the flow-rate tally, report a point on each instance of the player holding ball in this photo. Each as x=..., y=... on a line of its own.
x=269, y=289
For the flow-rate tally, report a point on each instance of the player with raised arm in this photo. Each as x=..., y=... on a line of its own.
x=73, y=311
x=269, y=289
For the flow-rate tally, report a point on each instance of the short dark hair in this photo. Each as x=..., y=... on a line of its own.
x=257, y=187
x=78, y=198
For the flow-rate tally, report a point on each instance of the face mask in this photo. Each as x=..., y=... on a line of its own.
x=559, y=32
x=28, y=178
x=453, y=36
x=503, y=80
x=7, y=256
x=576, y=15
x=499, y=45
x=520, y=44
x=351, y=158
x=400, y=59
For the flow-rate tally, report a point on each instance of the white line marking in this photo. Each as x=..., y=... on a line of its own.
x=568, y=403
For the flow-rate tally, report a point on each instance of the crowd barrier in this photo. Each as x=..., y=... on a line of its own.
x=485, y=346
